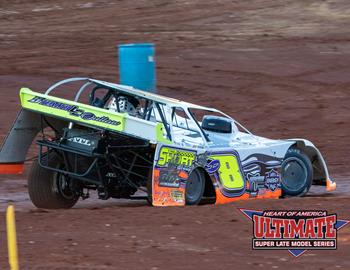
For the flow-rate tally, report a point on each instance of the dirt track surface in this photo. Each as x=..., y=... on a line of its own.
x=280, y=67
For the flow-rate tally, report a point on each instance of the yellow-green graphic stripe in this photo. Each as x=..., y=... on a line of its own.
x=71, y=110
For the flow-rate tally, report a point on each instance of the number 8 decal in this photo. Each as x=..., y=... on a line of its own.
x=229, y=172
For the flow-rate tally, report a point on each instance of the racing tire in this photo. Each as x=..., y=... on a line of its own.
x=297, y=173
x=49, y=189
x=195, y=186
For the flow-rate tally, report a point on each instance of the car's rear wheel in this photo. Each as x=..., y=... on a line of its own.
x=195, y=186
x=297, y=173
x=49, y=189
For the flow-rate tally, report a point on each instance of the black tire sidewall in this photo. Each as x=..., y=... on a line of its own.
x=42, y=188
x=300, y=156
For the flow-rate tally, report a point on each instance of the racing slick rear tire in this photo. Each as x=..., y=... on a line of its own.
x=195, y=186
x=297, y=173
x=49, y=189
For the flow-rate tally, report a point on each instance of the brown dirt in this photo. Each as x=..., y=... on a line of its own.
x=279, y=67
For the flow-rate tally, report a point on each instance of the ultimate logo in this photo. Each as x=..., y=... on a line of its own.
x=294, y=230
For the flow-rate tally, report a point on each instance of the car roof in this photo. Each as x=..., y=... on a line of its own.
x=172, y=102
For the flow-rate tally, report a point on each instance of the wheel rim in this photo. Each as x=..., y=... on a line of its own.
x=194, y=187
x=294, y=174
x=62, y=186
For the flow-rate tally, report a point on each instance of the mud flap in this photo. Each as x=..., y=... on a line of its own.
x=172, y=167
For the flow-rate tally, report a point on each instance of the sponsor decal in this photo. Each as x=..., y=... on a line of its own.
x=255, y=177
x=294, y=230
x=272, y=180
x=212, y=166
x=111, y=175
x=81, y=141
x=175, y=157
x=169, y=179
x=177, y=196
x=73, y=110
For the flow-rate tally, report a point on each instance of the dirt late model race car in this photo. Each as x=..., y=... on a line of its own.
x=120, y=140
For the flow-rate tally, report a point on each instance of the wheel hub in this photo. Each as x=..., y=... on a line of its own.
x=193, y=186
x=294, y=173
x=63, y=186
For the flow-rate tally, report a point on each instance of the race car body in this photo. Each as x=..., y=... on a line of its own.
x=123, y=139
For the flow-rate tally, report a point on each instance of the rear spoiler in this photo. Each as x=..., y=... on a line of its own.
x=14, y=149
x=17, y=142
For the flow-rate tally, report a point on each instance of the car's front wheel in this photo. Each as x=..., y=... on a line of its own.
x=297, y=173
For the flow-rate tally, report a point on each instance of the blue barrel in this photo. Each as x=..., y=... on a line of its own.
x=137, y=66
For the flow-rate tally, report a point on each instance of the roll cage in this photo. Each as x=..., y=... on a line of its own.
x=152, y=107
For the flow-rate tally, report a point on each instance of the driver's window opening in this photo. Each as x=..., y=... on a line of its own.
x=180, y=118
x=152, y=113
x=184, y=125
